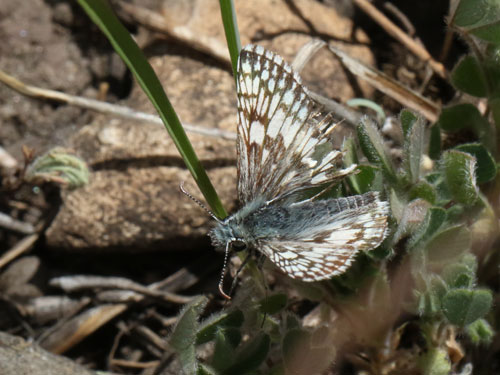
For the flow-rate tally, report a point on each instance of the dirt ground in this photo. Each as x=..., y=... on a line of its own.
x=131, y=221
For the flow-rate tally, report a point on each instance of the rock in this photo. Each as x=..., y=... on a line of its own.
x=133, y=201
x=19, y=357
x=284, y=26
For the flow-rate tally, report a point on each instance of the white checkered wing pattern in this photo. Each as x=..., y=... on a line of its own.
x=327, y=248
x=279, y=132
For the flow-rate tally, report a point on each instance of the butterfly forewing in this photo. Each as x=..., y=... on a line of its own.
x=278, y=131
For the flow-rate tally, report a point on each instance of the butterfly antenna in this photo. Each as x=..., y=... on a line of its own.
x=223, y=273
x=199, y=203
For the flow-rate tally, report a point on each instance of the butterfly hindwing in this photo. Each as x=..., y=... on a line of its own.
x=326, y=245
x=279, y=131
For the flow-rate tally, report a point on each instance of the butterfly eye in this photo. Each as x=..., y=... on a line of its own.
x=238, y=245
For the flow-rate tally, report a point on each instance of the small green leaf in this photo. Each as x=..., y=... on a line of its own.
x=458, y=117
x=480, y=18
x=186, y=328
x=60, y=166
x=205, y=370
x=492, y=64
x=470, y=12
x=489, y=32
x=461, y=116
x=464, y=306
x=459, y=275
x=349, y=150
x=423, y=190
x=273, y=304
x=398, y=205
x=362, y=182
x=448, y=244
x=435, y=142
x=250, y=356
x=467, y=116
x=433, y=220
x=455, y=212
x=486, y=167
x=359, y=182
x=494, y=104
x=470, y=261
x=414, y=213
x=223, y=352
x=429, y=300
x=413, y=148
x=438, y=286
x=437, y=179
x=480, y=332
x=427, y=304
x=460, y=174
x=493, y=52
x=184, y=335
x=209, y=326
x=468, y=76
x=373, y=146
x=407, y=119
x=435, y=362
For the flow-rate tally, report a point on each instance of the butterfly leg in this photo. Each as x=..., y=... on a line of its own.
x=235, y=279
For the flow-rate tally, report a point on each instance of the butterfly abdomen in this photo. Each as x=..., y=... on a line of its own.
x=275, y=222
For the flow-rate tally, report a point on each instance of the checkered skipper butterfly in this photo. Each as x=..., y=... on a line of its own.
x=279, y=138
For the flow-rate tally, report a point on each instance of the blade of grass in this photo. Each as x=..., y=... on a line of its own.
x=231, y=29
x=124, y=45
x=230, y=22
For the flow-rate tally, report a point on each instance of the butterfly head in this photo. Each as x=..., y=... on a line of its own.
x=237, y=232
x=229, y=234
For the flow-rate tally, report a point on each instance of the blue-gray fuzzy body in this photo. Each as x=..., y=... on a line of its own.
x=289, y=221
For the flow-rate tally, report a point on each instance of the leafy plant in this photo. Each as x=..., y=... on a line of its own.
x=439, y=210
x=58, y=165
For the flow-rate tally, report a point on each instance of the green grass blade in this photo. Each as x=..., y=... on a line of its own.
x=122, y=42
x=231, y=29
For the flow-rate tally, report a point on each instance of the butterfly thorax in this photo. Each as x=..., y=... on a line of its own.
x=256, y=220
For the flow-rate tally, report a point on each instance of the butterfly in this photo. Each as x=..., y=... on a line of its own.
x=284, y=149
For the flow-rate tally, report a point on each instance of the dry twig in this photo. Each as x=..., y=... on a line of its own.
x=18, y=249
x=71, y=332
x=102, y=107
x=156, y=22
x=16, y=225
x=72, y=284
x=389, y=86
x=401, y=36
x=305, y=53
